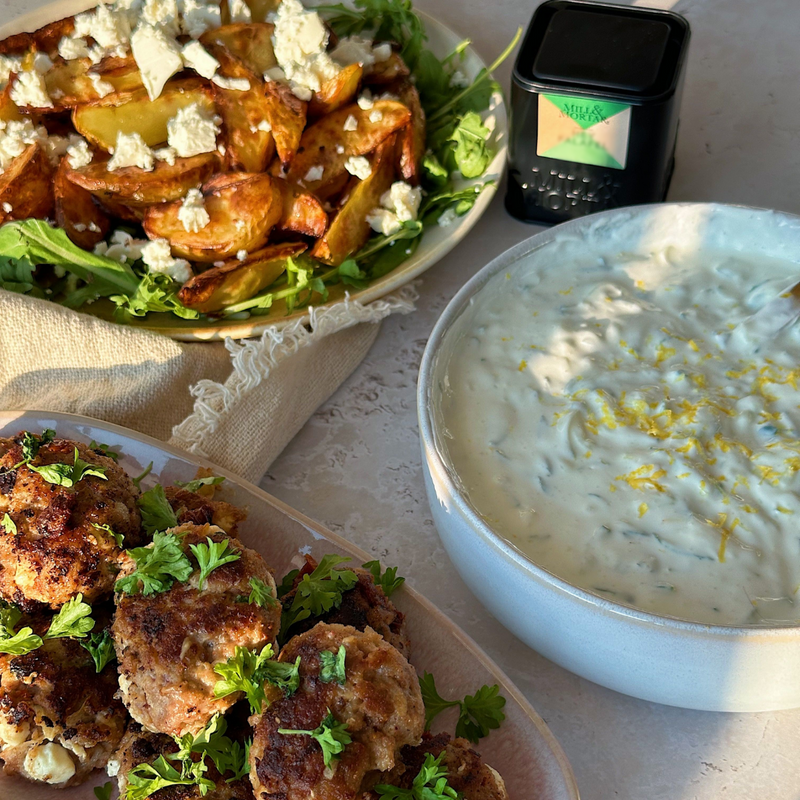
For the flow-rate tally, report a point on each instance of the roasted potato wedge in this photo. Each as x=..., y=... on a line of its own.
x=287, y=116
x=350, y=229
x=302, y=212
x=235, y=280
x=121, y=72
x=388, y=71
x=134, y=112
x=337, y=92
x=249, y=42
x=8, y=109
x=136, y=188
x=319, y=141
x=26, y=187
x=76, y=211
x=45, y=39
x=411, y=139
x=114, y=208
x=260, y=8
x=243, y=208
x=69, y=83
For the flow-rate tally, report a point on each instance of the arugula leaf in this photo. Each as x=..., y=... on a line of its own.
x=210, y=555
x=73, y=620
x=8, y=525
x=157, y=513
x=472, y=153
x=158, y=566
x=154, y=292
x=104, y=449
x=145, y=780
x=332, y=666
x=101, y=649
x=478, y=713
x=318, y=592
x=247, y=671
x=261, y=594
x=138, y=480
x=19, y=275
x=430, y=783
x=68, y=475
x=197, y=483
x=15, y=643
x=117, y=537
x=388, y=581
x=104, y=792
x=332, y=737
x=352, y=275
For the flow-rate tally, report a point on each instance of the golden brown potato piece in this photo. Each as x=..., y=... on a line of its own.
x=114, y=208
x=26, y=186
x=411, y=139
x=302, y=212
x=318, y=146
x=76, y=211
x=121, y=72
x=134, y=112
x=69, y=83
x=337, y=92
x=260, y=8
x=248, y=149
x=136, y=188
x=243, y=208
x=383, y=72
x=45, y=39
x=287, y=116
x=8, y=110
x=250, y=43
x=350, y=229
x=235, y=280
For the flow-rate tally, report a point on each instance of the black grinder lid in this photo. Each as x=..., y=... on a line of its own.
x=600, y=49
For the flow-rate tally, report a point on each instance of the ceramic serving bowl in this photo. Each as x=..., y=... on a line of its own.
x=667, y=660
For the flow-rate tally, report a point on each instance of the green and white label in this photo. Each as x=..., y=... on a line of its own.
x=583, y=130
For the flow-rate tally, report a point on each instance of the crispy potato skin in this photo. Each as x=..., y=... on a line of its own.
x=337, y=92
x=27, y=186
x=383, y=72
x=168, y=644
x=76, y=212
x=287, y=116
x=57, y=550
x=249, y=43
x=247, y=148
x=54, y=694
x=302, y=212
x=380, y=702
x=45, y=39
x=411, y=139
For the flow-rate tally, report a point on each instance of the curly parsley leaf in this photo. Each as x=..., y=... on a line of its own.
x=478, y=713
x=101, y=648
x=158, y=566
x=68, y=475
x=117, y=537
x=261, y=594
x=332, y=737
x=104, y=792
x=388, y=581
x=247, y=671
x=198, y=483
x=212, y=742
x=145, y=780
x=31, y=443
x=8, y=525
x=15, y=643
x=287, y=584
x=430, y=783
x=138, y=480
x=157, y=513
x=332, y=666
x=104, y=449
x=210, y=555
x=73, y=620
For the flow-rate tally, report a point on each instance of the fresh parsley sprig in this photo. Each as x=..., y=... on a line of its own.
x=388, y=580
x=144, y=780
x=8, y=525
x=332, y=737
x=104, y=449
x=107, y=529
x=478, y=713
x=198, y=483
x=101, y=648
x=247, y=671
x=158, y=566
x=157, y=513
x=210, y=555
x=332, y=666
x=67, y=475
x=261, y=594
x=430, y=783
x=31, y=444
x=212, y=742
x=74, y=620
x=15, y=642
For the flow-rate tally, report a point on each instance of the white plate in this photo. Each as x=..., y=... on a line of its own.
x=523, y=750
x=436, y=242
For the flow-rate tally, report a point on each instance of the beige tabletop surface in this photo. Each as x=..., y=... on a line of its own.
x=356, y=465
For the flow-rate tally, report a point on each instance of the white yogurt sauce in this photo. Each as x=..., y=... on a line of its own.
x=606, y=420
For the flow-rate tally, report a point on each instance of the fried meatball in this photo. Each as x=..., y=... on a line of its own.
x=202, y=510
x=380, y=702
x=168, y=644
x=57, y=550
x=363, y=606
x=139, y=746
x=467, y=773
x=59, y=719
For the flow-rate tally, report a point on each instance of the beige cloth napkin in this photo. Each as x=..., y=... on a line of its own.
x=237, y=403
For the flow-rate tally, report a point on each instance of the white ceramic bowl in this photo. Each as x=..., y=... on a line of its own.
x=707, y=667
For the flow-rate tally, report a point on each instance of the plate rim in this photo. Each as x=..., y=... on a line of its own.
x=8, y=417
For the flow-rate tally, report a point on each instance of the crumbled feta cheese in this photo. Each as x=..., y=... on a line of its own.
x=78, y=153
x=400, y=204
x=300, y=42
x=458, y=80
x=162, y=14
x=167, y=154
x=262, y=126
x=192, y=131
x=100, y=86
x=70, y=48
x=340, y=149
x=15, y=136
x=29, y=89
x=234, y=84
x=351, y=123
x=199, y=59
x=274, y=74
x=80, y=227
x=192, y=213
x=157, y=257
x=239, y=11
x=109, y=28
x=42, y=62
x=447, y=217
x=383, y=221
x=221, y=149
x=49, y=763
x=122, y=247
x=9, y=64
x=131, y=151
x=8, y=208
x=200, y=16
x=358, y=166
x=314, y=174
x=241, y=255
x=375, y=115
x=365, y=102
x=157, y=55
x=94, y=227
x=382, y=52
x=353, y=50
x=132, y=10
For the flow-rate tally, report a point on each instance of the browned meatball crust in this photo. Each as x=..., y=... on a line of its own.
x=139, y=746
x=59, y=719
x=168, y=644
x=57, y=550
x=364, y=606
x=380, y=702
x=202, y=510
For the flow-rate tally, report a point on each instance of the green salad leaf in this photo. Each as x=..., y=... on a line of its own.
x=430, y=783
x=330, y=735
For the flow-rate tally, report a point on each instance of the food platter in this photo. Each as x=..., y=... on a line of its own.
x=523, y=750
x=435, y=244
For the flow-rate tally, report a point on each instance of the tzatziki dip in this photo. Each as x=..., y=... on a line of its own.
x=610, y=417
